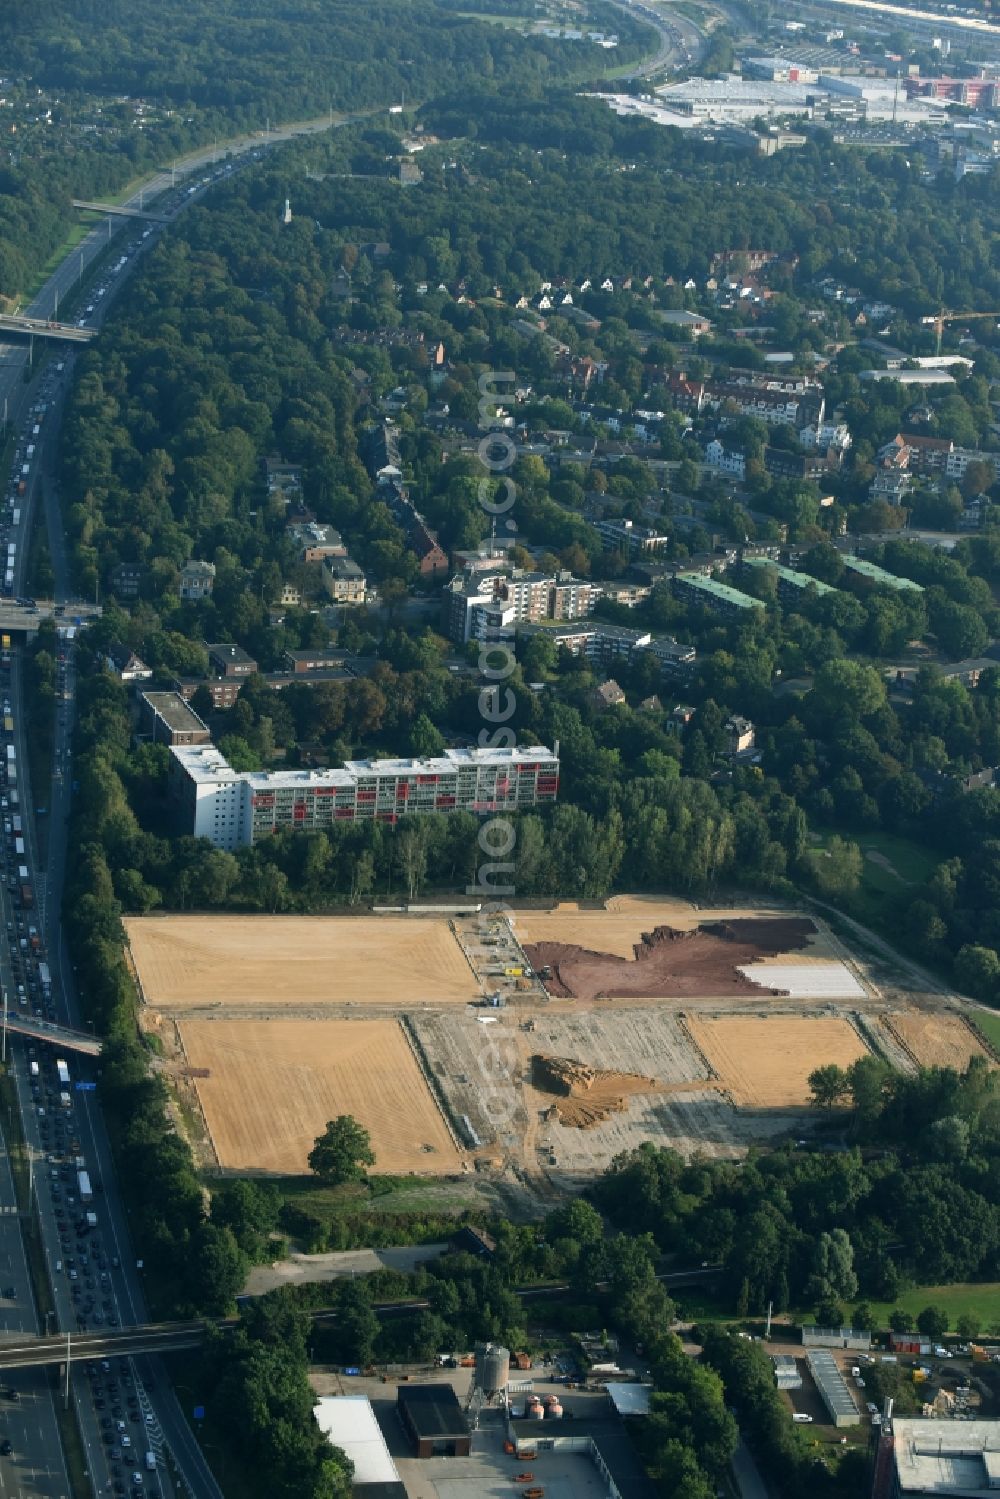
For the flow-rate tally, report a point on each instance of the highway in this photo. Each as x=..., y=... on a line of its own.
x=680, y=41
x=127, y=1408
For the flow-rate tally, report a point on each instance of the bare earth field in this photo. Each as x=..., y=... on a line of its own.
x=936, y=1040
x=190, y=962
x=485, y=1074
x=764, y=1063
x=620, y=926
x=273, y=1085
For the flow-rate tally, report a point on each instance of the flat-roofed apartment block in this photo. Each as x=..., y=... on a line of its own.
x=237, y=808
x=168, y=719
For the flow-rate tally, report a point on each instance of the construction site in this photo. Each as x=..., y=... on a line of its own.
x=527, y=1046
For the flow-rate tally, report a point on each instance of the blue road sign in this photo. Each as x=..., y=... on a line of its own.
x=85, y=1087
x=199, y=1413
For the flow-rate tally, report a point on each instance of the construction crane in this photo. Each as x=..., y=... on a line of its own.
x=954, y=317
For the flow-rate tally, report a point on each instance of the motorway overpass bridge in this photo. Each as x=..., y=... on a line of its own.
x=36, y=327
x=21, y=1352
x=119, y=210
x=61, y=1036
x=24, y=619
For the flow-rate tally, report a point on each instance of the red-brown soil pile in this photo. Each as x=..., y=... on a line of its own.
x=700, y=964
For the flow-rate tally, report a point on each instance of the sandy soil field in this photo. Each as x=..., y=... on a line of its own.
x=764, y=1063
x=937, y=1040
x=275, y=1083
x=188, y=962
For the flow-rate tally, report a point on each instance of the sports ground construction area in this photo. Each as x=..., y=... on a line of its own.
x=272, y=1085
x=648, y=953
x=944, y=1040
x=529, y=1047
x=192, y=962
x=764, y=1062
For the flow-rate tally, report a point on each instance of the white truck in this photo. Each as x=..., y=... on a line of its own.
x=83, y=1182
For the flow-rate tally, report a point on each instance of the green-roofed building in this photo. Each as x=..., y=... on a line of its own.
x=696, y=588
x=793, y=586
x=860, y=567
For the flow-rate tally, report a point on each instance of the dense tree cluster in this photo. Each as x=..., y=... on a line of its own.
x=913, y=1201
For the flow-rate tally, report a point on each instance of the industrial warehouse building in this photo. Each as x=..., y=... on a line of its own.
x=786, y=1371
x=833, y=1391
x=945, y=1457
x=349, y=1423
x=234, y=808
x=433, y=1419
x=603, y=1439
x=859, y=1339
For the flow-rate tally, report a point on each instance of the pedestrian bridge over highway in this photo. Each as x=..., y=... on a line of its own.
x=36, y=327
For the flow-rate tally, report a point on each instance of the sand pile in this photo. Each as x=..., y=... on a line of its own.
x=587, y=1096
x=703, y=963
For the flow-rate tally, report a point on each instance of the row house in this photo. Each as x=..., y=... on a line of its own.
x=726, y=460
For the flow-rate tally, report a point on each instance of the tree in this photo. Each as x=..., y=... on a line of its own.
x=837, y=868
x=829, y=1086
x=933, y=1322
x=977, y=971
x=341, y=1151
x=967, y=1327
x=900, y=1321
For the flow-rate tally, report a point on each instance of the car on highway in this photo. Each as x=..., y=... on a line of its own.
x=5, y=1448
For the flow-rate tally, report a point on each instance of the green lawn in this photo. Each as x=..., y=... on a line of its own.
x=390, y=1195
x=910, y=863
x=980, y=1301
x=987, y=1022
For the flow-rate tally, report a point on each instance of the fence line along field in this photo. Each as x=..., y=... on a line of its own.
x=765, y=1062
x=936, y=1040
x=272, y=1085
x=190, y=962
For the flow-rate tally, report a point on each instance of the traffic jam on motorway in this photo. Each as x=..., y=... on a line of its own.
x=82, y=1260
x=69, y=1187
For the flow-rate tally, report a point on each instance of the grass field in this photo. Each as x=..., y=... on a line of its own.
x=764, y=1062
x=273, y=1085
x=980, y=1301
x=262, y=962
x=988, y=1023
